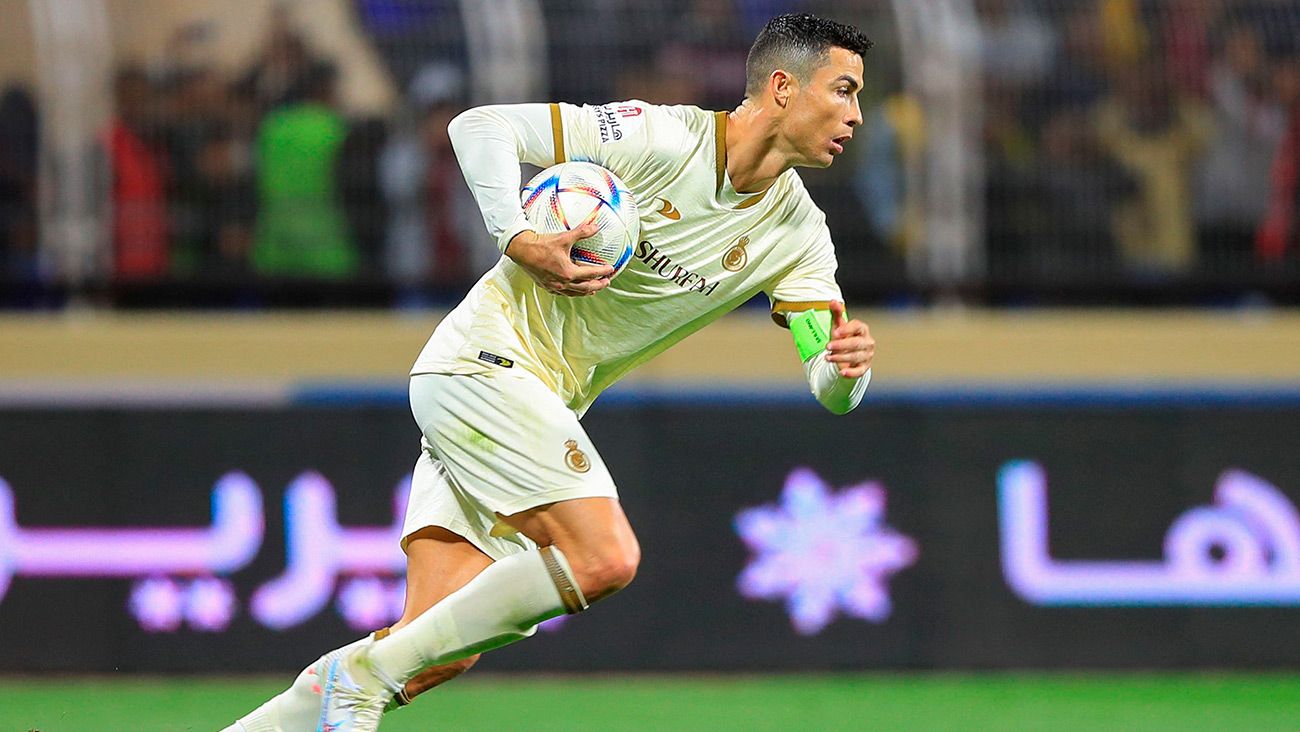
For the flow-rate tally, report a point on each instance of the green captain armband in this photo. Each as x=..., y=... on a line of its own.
x=812, y=331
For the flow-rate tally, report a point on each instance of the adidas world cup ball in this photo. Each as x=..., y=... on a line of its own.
x=568, y=195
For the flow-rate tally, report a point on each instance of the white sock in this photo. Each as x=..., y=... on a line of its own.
x=295, y=708
x=497, y=607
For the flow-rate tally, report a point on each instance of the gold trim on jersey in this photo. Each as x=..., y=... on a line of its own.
x=720, y=147
x=796, y=307
x=720, y=150
x=557, y=132
x=754, y=199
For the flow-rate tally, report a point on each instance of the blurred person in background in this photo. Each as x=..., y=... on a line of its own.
x=1076, y=184
x=198, y=133
x=1157, y=137
x=1125, y=37
x=1278, y=237
x=279, y=75
x=708, y=43
x=224, y=197
x=1249, y=123
x=887, y=181
x=361, y=193
x=622, y=34
x=1186, y=29
x=655, y=85
x=1077, y=78
x=19, y=143
x=301, y=231
x=1017, y=46
x=139, y=167
x=429, y=241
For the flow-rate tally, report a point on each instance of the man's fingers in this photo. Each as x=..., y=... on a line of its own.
x=579, y=289
x=588, y=272
x=572, y=236
x=837, y=315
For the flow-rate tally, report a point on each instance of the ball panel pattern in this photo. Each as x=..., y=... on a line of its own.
x=568, y=195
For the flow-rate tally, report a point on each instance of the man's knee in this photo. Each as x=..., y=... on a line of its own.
x=607, y=570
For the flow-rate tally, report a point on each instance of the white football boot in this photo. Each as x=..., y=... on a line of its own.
x=298, y=708
x=354, y=694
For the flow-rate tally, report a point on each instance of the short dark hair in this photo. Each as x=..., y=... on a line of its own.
x=799, y=43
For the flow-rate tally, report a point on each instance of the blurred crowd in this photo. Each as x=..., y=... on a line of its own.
x=257, y=188
x=1141, y=141
x=1123, y=141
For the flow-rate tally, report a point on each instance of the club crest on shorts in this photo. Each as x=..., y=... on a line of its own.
x=735, y=259
x=576, y=459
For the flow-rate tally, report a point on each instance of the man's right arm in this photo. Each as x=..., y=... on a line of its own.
x=490, y=143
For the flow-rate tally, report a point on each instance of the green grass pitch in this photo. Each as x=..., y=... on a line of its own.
x=684, y=703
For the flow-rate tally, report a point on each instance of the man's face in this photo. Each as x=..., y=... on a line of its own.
x=821, y=114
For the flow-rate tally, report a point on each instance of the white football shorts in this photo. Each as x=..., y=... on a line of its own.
x=495, y=444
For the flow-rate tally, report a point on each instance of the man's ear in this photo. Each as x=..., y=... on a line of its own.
x=782, y=85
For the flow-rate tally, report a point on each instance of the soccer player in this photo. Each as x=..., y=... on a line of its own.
x=513, y=516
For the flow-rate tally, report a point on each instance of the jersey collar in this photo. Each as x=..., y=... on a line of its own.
x=727, y=194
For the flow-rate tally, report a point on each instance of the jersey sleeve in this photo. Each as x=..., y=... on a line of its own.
x=491, y=141
x=810, y=283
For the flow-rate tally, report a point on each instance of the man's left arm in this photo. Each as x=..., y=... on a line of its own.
x=836, y=351
x=836, y=354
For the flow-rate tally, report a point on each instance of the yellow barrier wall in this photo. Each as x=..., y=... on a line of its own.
x=1037, y=346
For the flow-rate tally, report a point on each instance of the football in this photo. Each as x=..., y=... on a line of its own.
x=568, y=195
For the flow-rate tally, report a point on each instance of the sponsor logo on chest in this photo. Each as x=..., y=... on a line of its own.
x=659, y=263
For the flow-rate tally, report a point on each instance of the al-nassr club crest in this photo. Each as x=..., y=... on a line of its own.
x=576, y=459
x=735, y=259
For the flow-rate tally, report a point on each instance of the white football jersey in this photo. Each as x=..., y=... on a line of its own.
x=704, y=248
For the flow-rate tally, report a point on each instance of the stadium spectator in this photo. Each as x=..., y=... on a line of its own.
x=141, y=248
x=361, y=191
x=1185, y=29
x=278, y=77
x=225, y=204
x=887, y=181
x=1016, y=45
x=1125, y=39
x=1249, y=122
x=1077, y=79
x=19, y=141
x=301, y=231
x=622, y=34
x=198, y=126
x=1279, y=234
x=1076, y=181
x=1157, y=138
x=708, y=44
x=654, y=85
x=429, y=239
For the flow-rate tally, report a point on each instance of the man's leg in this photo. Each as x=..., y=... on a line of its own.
x=587, y=550
x=548, y=526
x=438, y=562
x=585, y=544
x=594, y=535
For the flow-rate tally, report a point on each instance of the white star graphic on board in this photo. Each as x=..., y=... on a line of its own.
x=823, y=552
